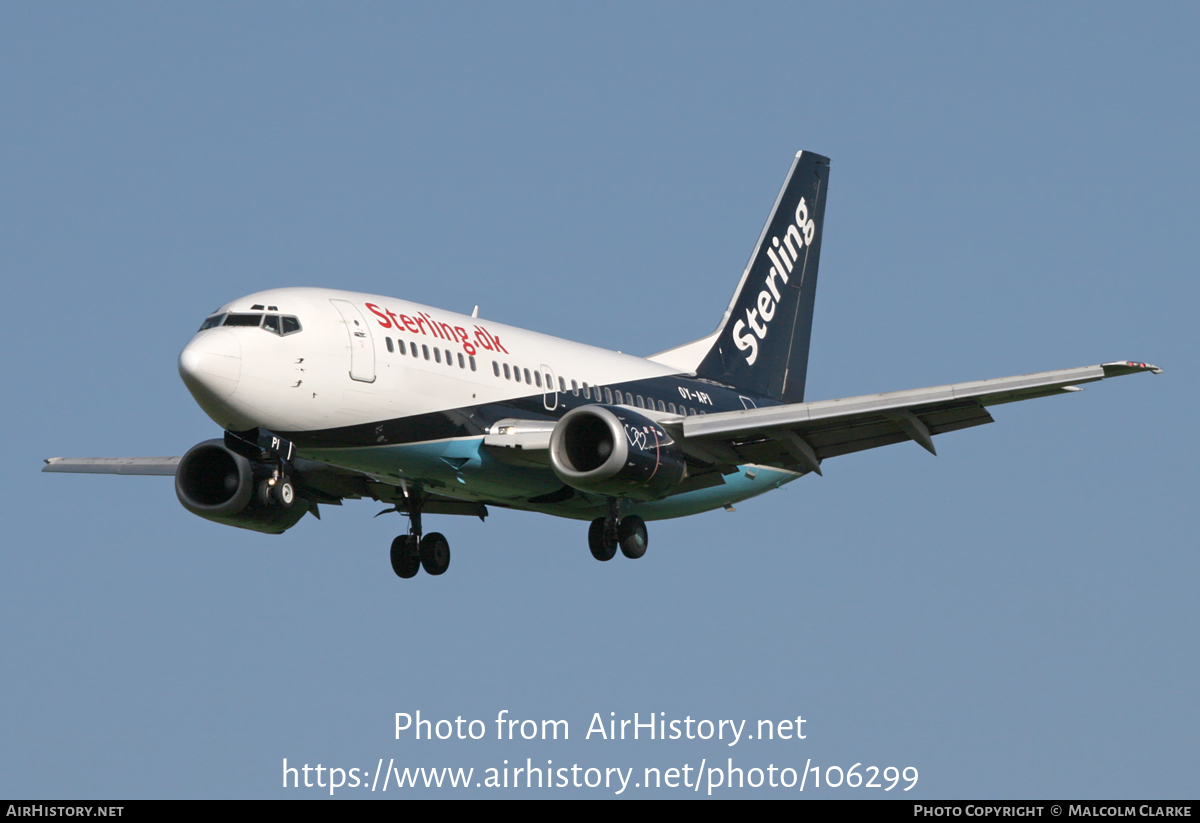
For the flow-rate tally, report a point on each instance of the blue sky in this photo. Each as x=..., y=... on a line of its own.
x=1013, y=189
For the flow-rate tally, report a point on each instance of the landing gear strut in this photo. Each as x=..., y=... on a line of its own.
x=412, y=551
x=608, y=533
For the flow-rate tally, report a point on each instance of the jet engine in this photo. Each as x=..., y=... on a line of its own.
x=617, y=452
x=219, y=484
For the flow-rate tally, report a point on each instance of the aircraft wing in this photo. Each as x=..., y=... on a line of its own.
x=799, y=436
x=318, y=482
x=113, y=465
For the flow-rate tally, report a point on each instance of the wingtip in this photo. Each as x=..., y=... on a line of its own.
x=1129, y=367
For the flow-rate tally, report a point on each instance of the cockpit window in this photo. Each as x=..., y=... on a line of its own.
x=273, y=323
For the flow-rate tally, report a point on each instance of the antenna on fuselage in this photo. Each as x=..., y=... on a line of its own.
x=475, y=312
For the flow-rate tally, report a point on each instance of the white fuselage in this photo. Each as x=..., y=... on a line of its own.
x=380, y=385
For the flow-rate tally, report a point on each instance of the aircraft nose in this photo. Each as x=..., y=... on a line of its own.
x=211, y=365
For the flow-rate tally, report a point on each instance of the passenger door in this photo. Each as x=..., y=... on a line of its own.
x=550, y=398
x=362, y=346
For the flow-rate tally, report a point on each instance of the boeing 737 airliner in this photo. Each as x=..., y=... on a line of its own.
x=326, y=395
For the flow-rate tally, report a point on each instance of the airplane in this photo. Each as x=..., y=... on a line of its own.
x=326, y=395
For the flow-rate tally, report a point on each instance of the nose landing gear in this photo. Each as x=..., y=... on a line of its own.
x=607, y=534
x=277, y=490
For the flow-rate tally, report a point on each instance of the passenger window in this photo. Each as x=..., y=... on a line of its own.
x=507, y=375
x=671, y=408
x=639, y=402
x=388, y=340
x=574, y=388
x=691, y=412
x=472, y=359
x=462, y=364
x=400, y=343
x=290, y=324
x=608, y=395
x=586, y=392
x=425, y=351
x=449, y=358
x=437, y=354
x=414, y=349
x=662, y=406
x=496, y=368
x=527, y=378
x=537, y=378
x=562, y=385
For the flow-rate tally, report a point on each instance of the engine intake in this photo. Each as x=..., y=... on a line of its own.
x=617, y=452
x=218, y=484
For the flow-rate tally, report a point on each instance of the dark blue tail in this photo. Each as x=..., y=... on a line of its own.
x=762, y=343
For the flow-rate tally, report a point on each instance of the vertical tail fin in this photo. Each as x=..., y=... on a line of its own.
x=762, y=343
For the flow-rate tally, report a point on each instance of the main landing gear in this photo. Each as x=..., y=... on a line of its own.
x=607, y=534
x=412, y=551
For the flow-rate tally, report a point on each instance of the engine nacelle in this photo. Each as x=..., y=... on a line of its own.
x=219, y=485
x=617, y=452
